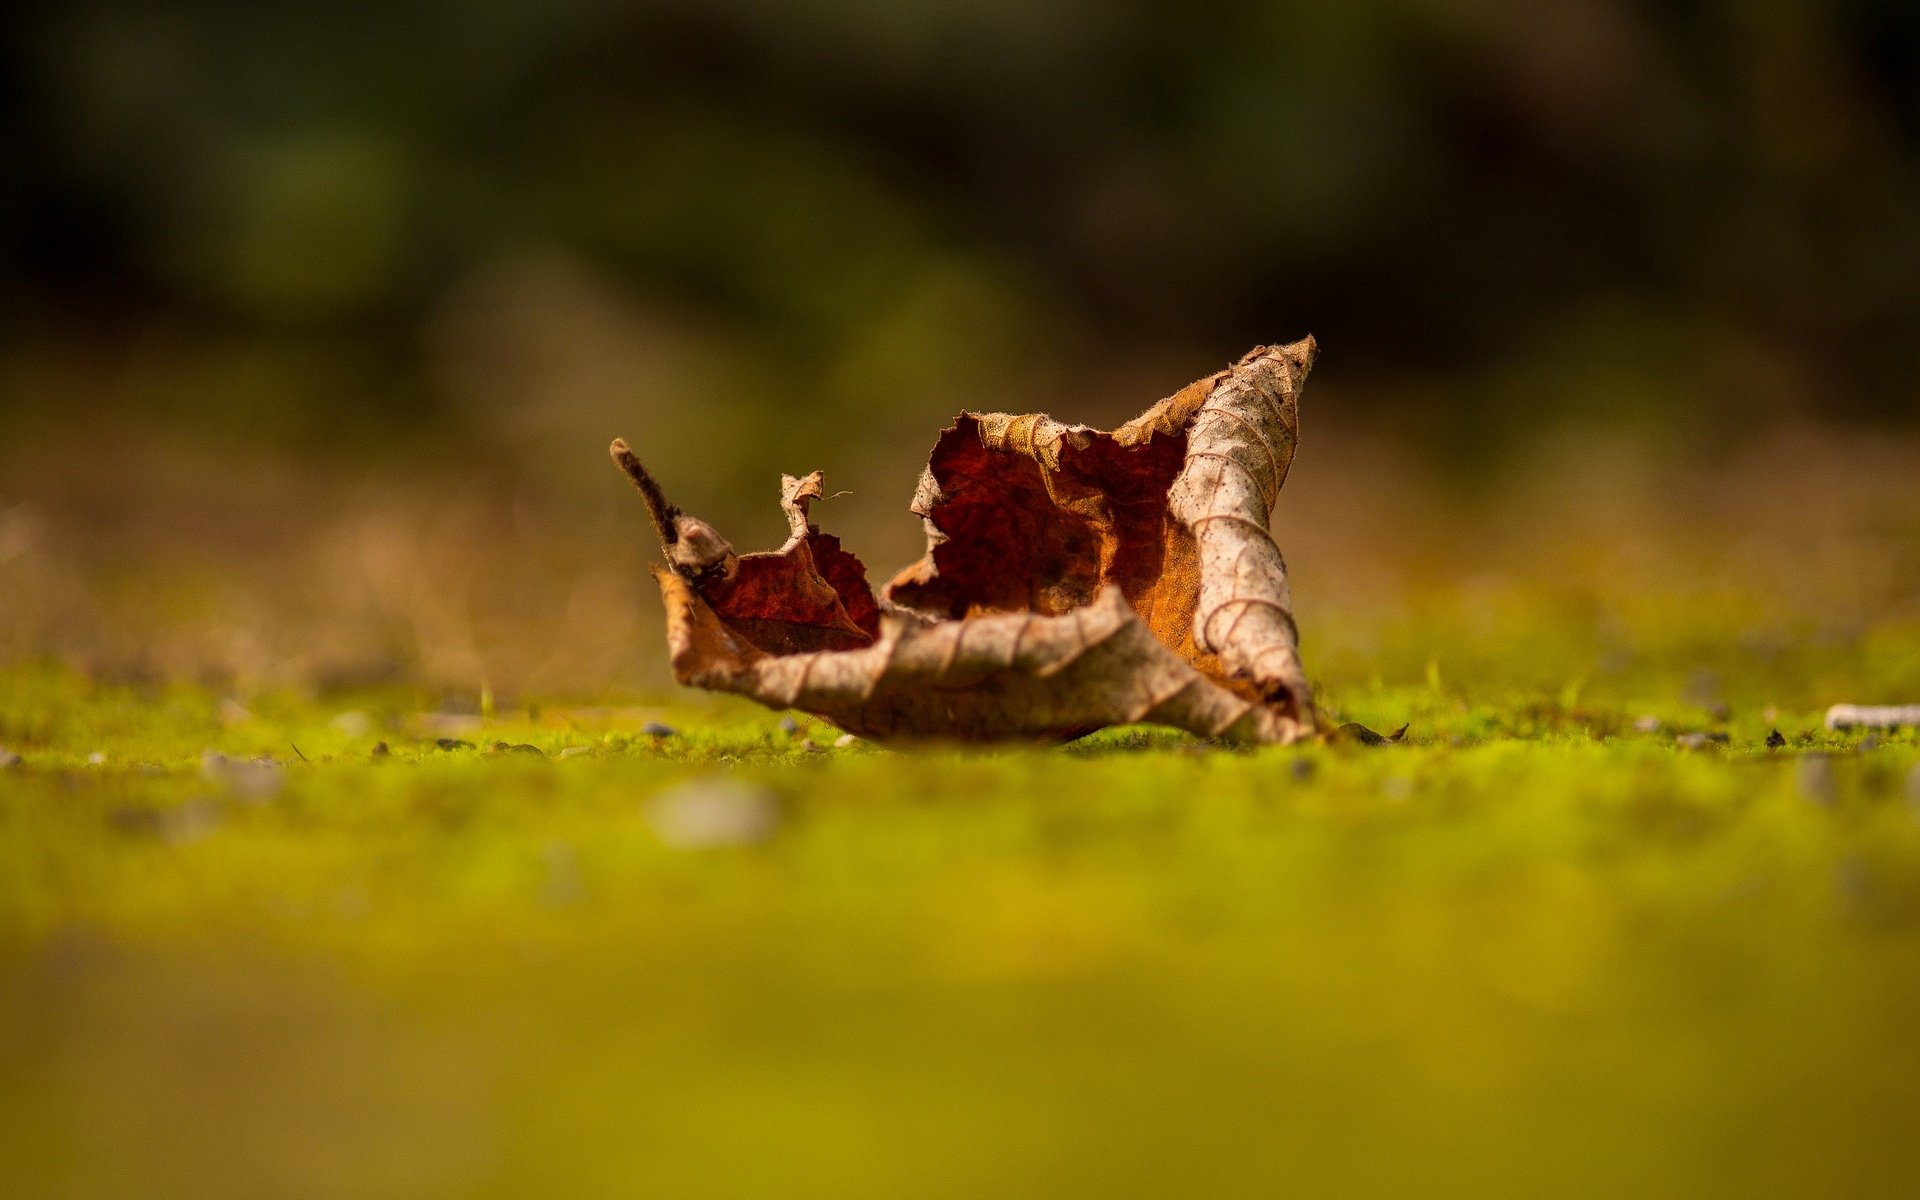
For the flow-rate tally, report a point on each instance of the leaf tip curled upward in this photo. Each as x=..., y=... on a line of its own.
x=693, y=547
x=1298, y=356
x=663, y=511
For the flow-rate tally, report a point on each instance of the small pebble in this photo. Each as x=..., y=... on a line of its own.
x=1775, y=740
x=244, y=778
x=565, y=885
x=451, y=743
x=1647, y=724
x=96, y=759
x=1853, y=879
x=845, y=741
x=180, y=825
x=574, y=751
x=1700, y=741
x=518, y=748
x=380, y=750
x=134, y=819
x=657, y=729
x=448, y=724
x=1368, y=737
x=706, y=813
x=8, y=758
x=789, y=726
x=809, y=746
x=189, y=822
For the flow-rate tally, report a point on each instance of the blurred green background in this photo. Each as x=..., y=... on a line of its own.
x=327, y=220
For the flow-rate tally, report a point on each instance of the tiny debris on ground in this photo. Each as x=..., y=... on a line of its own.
x=658, y=729
x=1700, y=741
x=451, y=743
x=1775, y=740
x=8, y=758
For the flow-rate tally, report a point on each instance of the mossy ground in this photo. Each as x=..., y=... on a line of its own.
x=1533, y=951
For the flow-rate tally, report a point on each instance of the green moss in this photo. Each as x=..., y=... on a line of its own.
x=1532, y=951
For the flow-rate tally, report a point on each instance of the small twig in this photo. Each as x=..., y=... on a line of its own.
x=296, y=750
x=662, y=510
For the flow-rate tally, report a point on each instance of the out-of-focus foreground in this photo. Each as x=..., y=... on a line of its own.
x=1546, y=947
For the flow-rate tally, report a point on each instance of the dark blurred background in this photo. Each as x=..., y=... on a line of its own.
x=759, y=235
x=1700, y=208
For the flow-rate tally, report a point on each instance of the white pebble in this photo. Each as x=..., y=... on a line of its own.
x=1873, y=716
x=704, y=813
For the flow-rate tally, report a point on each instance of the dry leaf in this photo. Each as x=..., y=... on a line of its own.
x=1073, y=579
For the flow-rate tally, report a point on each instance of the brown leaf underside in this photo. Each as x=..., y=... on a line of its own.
x=1073, y=579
